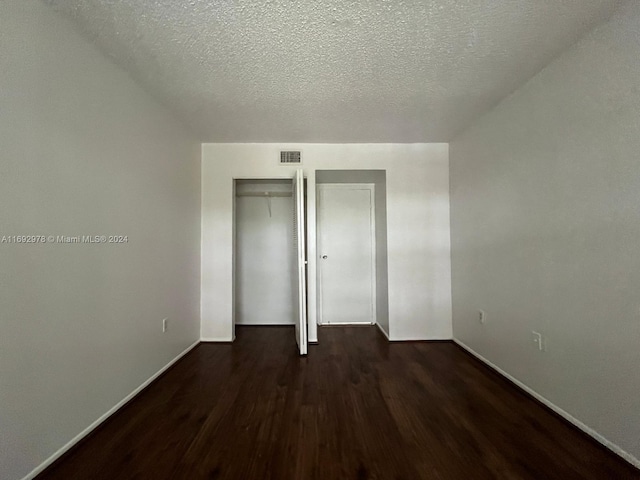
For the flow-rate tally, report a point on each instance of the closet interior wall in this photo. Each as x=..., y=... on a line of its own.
x=264, y=252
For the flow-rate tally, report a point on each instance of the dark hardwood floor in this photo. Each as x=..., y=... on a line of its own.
x=356, y=408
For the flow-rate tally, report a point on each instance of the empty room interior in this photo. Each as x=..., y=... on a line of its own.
x=319, y=239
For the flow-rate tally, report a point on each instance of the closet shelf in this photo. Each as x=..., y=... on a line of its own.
x=264, y=194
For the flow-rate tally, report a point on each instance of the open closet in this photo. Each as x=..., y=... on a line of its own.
x=269, y=256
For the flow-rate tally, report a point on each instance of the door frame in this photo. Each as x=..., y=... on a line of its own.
x=286, y=176
x=372, y=213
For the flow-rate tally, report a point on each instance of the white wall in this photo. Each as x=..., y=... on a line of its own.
x=265, y=255
x=85, y=152
x=545, y=195
x=417, y=228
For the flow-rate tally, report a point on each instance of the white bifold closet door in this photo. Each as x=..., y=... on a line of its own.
x=299, y=278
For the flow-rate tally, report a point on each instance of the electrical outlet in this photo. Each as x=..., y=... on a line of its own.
x=165, y=322
x=538, y=340
x=482, y=317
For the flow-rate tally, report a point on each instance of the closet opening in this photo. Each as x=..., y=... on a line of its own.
x=267, y=264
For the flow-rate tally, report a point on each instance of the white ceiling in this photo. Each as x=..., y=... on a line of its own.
x=332, y=70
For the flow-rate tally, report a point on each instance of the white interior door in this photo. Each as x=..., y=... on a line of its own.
x=300, y=288
x=346, y=235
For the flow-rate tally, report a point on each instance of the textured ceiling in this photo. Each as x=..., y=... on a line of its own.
x=332, y=70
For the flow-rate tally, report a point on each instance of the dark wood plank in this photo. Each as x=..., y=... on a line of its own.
x=356, y=408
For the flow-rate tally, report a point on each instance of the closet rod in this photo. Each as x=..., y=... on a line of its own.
x=264, y=194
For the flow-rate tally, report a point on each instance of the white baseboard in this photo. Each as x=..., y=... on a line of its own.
x=36, y=471
x=567, y=416
x=422, y=339
x=383, y=332
x=274, y=324
x=217, y=339
x=346, y=324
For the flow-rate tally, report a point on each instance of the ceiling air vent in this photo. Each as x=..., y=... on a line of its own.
x=291, y=157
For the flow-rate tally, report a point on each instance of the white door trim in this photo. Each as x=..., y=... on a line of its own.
x=346, y=186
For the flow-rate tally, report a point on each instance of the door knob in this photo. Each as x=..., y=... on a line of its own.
x=324, y=257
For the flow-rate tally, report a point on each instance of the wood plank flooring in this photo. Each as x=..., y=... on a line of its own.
x=357, y=407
